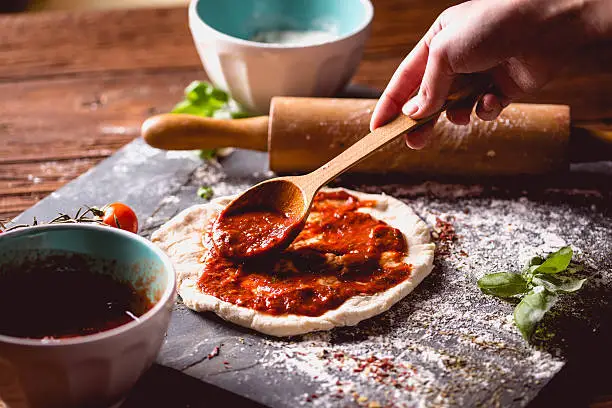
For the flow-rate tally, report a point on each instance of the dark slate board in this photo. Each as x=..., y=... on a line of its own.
x=451, y=345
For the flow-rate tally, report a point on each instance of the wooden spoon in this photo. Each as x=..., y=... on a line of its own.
x=267, y=217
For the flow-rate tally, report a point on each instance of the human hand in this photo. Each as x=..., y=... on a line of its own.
x=519, y=44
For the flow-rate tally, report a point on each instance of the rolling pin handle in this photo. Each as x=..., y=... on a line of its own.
x=191, y=132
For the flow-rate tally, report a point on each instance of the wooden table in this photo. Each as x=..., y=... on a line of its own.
x=75, y=87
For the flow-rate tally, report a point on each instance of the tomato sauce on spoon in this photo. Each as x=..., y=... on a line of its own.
x=250, y=232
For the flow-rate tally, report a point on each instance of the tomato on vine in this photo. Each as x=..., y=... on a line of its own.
x=121, y=216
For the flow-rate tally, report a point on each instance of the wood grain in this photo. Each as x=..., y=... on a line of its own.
x=49, y=44
x=51, y=131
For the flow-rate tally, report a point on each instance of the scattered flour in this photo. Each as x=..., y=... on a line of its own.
x=447, y=344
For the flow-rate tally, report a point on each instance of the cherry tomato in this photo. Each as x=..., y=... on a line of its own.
x=119, y=215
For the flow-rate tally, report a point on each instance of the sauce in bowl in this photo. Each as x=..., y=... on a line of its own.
x=60, y=296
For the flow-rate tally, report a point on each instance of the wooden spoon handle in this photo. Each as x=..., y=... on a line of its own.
x=190, y=132
x=361, y=150
x=468, y=89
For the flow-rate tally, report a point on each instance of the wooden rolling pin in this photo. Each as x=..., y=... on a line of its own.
x=303, y=133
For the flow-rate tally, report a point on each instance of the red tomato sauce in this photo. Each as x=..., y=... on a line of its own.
x=339, y=254
x=59, y=296
x=250, y=233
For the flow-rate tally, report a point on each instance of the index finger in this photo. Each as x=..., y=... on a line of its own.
x=401, y=87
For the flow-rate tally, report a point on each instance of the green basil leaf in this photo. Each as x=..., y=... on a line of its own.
x=558, y=284
x=207, y=154
x=203, y=99
x=218, y=95
x=528, y=272
x=557, y=261
x=503, y=284
x=201, y=92
x=532, y=309
x=215, y=105
x=574, y=267
x=190, y=108
x=536, y=260
x=198, y=91
x=531, y=266
x=205, y=192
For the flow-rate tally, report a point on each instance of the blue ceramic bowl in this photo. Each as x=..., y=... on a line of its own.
x=94, y=369
x=224, y=33
x=242, y=19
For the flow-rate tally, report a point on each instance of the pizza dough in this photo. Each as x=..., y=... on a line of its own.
x=181, y=239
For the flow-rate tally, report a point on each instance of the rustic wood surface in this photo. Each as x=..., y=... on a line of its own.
x=75, y=86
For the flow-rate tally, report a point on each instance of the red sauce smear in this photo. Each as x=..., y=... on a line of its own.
x=339, y=254
x=249, y=233
x=59, y=296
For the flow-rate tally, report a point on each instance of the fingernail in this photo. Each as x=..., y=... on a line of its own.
x=410, y=108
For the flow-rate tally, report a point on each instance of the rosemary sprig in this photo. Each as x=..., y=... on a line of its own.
x=90, y=215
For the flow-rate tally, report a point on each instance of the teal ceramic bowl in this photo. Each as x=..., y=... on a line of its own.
x=96, y=369
x=228, y=35
x=243, y=19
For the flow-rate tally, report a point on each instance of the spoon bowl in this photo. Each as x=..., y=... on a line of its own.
x=264, y=219
x=282, y=195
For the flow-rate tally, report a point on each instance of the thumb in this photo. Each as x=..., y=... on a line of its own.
x=437, y=80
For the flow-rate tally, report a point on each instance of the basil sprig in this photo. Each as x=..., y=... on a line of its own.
x=538, y=286
x=503, y=284
x=203, y=99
